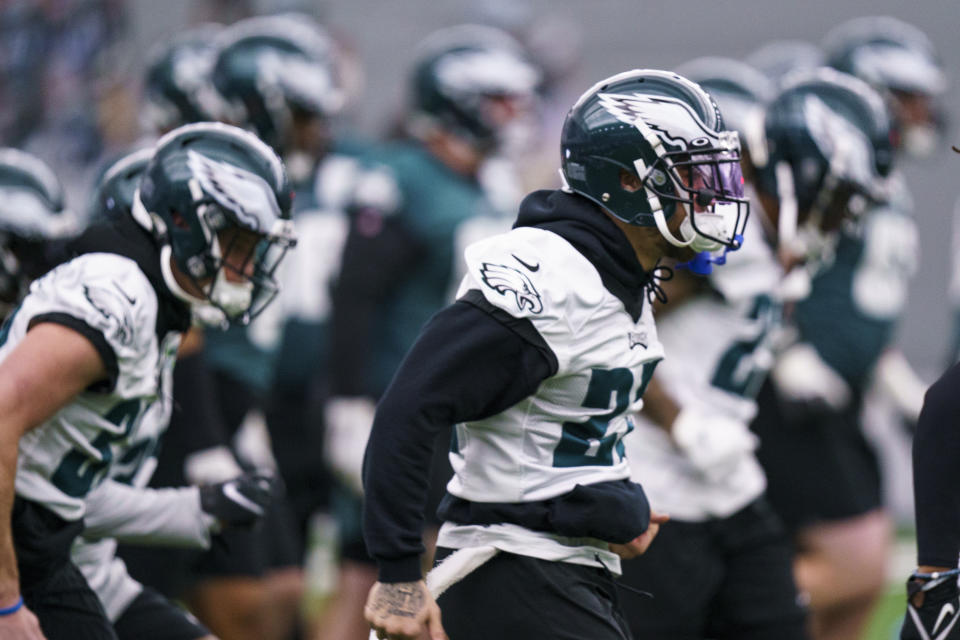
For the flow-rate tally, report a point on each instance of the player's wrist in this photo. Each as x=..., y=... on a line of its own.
x=12, y=608
x=10, y=595
x=404, y=569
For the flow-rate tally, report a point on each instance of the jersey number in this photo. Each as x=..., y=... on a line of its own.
x=78, y=470
x=739, y=371
x=587, y=443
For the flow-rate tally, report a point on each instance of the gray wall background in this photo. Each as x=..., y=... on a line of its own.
x=624, y=34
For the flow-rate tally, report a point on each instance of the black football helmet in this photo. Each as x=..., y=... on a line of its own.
x=178, y=88
x=829, y=151
x=272, y=70
x=475, y=82
x=206, y=181
x=900, y=62
x=115, y=190
x=667, y=132
x=32, y=215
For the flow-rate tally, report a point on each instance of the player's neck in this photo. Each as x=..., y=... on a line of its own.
x=644, y=240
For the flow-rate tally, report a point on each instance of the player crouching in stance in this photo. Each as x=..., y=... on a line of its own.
x=88, y=354
x=539, y=362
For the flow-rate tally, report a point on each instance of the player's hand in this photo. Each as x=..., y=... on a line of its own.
x=641, y=543
x=802, y=376
x=240, y=502
x=714, y=444
x=348, y=423
x=402, y=610
x=21, y=625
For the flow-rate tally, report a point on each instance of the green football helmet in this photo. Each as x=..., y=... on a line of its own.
x=207, y=182
x=272, y=70
x=829, y=150
x=178, y=89
x=665, y=131
x=477, y=83
x=32, y=214
x=741, y=92
x=115, y=191
x=900, y=62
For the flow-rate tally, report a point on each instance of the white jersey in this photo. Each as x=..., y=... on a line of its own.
x=107, y=298
x=718, y=354
x=123, y=508
x=570, y=431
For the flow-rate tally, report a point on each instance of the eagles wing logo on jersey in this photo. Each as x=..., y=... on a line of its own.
x=243, y=192
x=109, y=303
x=502, y=279
x=653, y=109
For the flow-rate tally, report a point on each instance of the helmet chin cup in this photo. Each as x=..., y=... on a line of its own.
x=234, y=298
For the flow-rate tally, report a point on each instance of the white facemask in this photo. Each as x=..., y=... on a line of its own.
x=721, y=223
x=920, y=141
x=233, y=297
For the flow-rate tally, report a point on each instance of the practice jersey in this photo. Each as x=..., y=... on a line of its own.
x=719, y=351
x=570, y=432
x=122, y=507
x=855, y=302
x=108, y=299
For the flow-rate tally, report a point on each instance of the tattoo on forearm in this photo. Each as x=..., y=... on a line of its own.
x=404, y=599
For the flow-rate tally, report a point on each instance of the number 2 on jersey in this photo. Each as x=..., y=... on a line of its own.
x=587, y=443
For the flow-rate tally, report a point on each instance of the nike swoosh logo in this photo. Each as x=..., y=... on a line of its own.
x=532, y=267
x=130, y=299
x=946, y=610
x=230, y=490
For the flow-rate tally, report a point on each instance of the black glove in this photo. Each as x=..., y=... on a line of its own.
x=240, y=502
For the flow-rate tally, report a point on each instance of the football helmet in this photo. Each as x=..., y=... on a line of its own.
x=272, y=70
x=898, y=60
x=829, y=151
x=32, y=214
x=477, y=83
x=667, y=132
x=177, y=87
x=116, y=188
x=208, y=189
x=741, y=92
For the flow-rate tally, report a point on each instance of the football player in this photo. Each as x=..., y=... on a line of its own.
x=122, y=509
x=693, y=450
x=87, y=357
x=469, y=88
x=823, y=476
x=539, y=363
x=281, y=76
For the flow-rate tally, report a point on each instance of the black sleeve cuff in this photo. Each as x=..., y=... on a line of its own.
x=405, y=569
x=95, y=337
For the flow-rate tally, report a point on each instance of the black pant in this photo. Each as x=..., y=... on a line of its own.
x=730, y=578
x=52, y=587
x=152, y=617
x=513, y=597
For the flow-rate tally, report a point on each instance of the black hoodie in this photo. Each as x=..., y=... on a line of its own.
x=472, y=361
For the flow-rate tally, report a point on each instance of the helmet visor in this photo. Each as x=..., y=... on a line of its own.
x=710, y=182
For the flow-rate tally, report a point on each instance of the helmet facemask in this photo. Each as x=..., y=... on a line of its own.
x=708, y=184
x=237, y=272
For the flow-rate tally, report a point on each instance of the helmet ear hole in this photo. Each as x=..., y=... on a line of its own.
x=629, y=181
x=178, y=220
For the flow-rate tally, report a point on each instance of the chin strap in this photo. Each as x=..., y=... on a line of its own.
x=702, y=263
